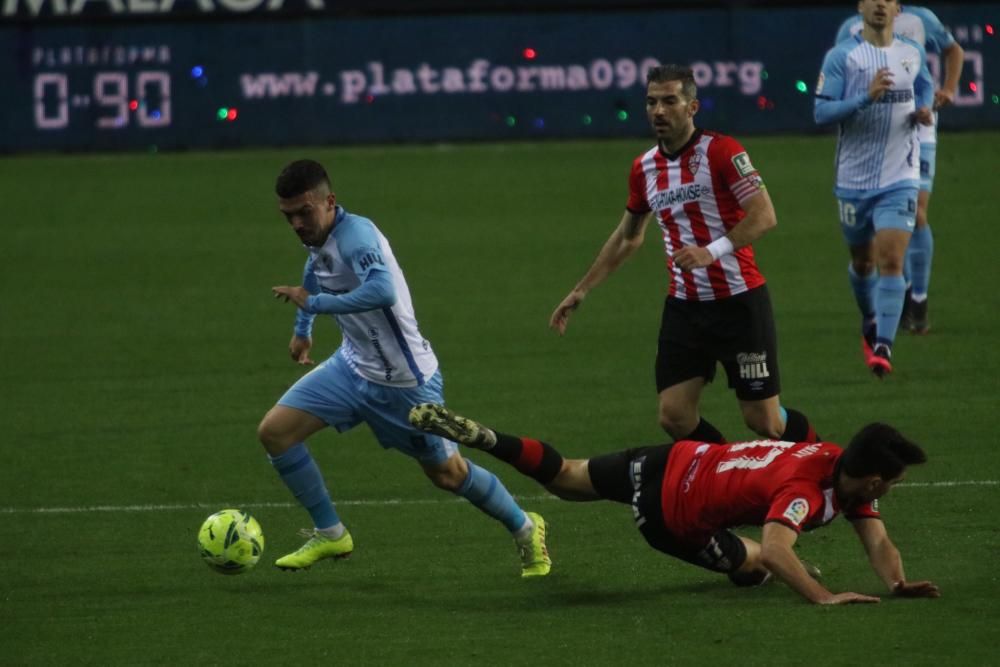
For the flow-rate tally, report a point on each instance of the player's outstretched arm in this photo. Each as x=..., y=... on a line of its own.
x=621, y=245
x=887, y=563
x=777, y=555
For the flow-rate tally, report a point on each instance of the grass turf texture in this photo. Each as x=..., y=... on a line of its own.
x=141, y=346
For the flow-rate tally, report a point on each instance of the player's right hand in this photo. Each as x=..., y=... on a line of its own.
x=299, y=348
x=849, y=598
x=881, y=83
x=560, y=317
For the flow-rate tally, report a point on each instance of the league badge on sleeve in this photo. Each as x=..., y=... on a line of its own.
x=742, y=164
x=797, y=511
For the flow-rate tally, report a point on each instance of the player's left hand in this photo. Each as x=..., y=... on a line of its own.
x=943, y=98
x=692, y=257
x=916, y=589
x=924, y=116
x=298, y=295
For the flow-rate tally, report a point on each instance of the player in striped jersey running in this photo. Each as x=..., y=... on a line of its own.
x=710, y=204
x=924, y=27
x=876, y=86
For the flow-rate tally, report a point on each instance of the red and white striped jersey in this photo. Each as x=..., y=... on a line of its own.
x=697, y=197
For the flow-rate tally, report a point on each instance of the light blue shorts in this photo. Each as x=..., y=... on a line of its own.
x=861, y=218
x=343, y=399
x=928, y=162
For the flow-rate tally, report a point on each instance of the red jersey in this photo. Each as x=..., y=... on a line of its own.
x=697, y=197
x=709, y=487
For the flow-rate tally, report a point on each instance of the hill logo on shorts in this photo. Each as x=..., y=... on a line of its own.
x=753, y=365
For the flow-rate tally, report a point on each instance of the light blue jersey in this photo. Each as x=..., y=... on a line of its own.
x=923, y=27
x=355, y=278
x=878, y=149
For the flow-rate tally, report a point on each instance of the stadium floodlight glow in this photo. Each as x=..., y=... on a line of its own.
x=622, y=115
x=222, y=113
x=989, y=28
x=996, y=99
x=510, y=120
x=973, y=87
x=529, y=53
x=763, y=74
x=197, y=71
x=587, y=120
x=801, y=86
x=539, y=123
x=133, y=104
x=232, y=114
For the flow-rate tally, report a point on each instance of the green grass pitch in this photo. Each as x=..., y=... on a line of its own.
x=140, y=346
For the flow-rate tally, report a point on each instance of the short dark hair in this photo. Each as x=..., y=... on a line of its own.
x=664, y=73
x=879, y=449
x=300, y=177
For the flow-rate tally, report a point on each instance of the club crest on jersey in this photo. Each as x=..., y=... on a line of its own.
x=742, y=164
x=325, y=261
x=797, y=511
x=694, y=163
x=908, y=64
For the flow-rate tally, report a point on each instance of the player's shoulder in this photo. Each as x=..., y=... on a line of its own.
x=848, y=28
x=645, y=156
x=722, y=146
x=352, y=228
x=925, y=14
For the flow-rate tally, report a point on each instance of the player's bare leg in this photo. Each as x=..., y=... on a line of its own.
x=769, y=419
x=679, y=414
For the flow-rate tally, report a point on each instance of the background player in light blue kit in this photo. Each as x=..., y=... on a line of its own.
x=382, y=369
x=877, y=87
x=923, y=27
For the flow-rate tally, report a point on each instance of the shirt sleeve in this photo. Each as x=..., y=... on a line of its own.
x=303, y=318
x=923, y=85
x=359, y=246
x=829, y=105
x=869, y=511
x=796, y=506
x=637, y=201
x=732, y=163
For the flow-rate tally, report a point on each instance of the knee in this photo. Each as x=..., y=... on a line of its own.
x=449, y=477
x=891, y=264
x=862, y=267
x=921, y=215
x=677, y=421
x=274, y=439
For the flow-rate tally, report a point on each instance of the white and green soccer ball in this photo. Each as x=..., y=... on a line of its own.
x=231, y=541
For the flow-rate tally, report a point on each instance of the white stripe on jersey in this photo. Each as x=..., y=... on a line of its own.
x=877, y=146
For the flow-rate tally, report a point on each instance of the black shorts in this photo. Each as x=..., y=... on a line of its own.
x=635, y=477
x=737, y=332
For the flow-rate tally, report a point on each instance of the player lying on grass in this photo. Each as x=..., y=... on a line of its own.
x=686, y=496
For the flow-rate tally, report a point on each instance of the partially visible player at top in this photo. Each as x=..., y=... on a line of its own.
x=711, y=205
x=923, y=27
x=383, y=367
x=687, y=496
x=876, y=86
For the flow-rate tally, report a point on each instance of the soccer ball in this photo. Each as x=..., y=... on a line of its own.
x=231, y=541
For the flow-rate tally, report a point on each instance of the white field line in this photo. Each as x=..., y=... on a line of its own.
x=387, y=502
